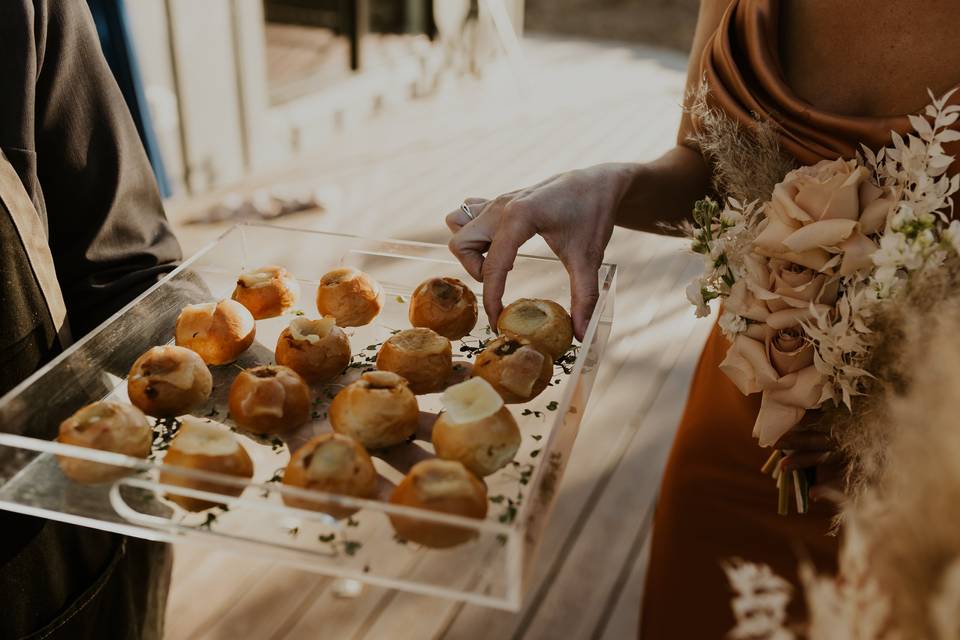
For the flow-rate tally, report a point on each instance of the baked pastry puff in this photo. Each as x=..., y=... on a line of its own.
x=544, y=323
x=331, y=463
x=445, y=305
x=267, y=292
x=318, y=350
x=421, y=356
x=217, y=331
x=476, y=428
x=269, y=399
x=444, y=486
x=106, y=426
x=515, y=368
x=205, y=445
x=349, y=295
x=378, y=410
x=169, y=381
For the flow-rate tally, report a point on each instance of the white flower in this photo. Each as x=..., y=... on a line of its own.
x=731, y=324
x=731, y=217
x=952, y=235
x=902, y=217
x=926, y=239
x=886, y=281
x=897, y=251
x=695, y=296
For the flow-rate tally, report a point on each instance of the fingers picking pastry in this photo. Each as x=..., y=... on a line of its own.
x=269, y=399
x=444, y=486
x=217, y=331
x=515, y=368
x=543, y=322
x=475, y=428
x=349, y=295
x=205, y=445
x=445, y=305
x=169, y=381
x=421, y=356
x=106, y=426
x=318, y=350
x=267, y=292
x=331, y=463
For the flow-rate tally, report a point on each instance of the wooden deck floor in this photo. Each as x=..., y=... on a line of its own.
x=397, y=176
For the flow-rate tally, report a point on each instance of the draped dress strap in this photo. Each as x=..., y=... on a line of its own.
x=741, y=66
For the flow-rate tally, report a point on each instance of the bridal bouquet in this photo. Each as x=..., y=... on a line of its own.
x=899, y=562
x=802, y=274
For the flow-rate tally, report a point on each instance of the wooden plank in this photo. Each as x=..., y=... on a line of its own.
x=213, y=577
x=624, y=617
x=621, y=518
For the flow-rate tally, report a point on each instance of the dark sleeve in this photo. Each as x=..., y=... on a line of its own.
x=108, y=232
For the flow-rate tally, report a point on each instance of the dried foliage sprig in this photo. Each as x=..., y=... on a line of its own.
x=746, y=163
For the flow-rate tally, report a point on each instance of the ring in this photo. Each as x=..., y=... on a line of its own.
x=466, y=209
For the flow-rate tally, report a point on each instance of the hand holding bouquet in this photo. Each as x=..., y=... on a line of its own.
x=800, y=275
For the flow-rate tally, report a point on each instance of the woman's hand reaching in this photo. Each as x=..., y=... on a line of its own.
x=574, y=212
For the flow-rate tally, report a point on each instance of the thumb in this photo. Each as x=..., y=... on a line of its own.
x=585, y=291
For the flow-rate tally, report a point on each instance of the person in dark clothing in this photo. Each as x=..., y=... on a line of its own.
x=82, y=232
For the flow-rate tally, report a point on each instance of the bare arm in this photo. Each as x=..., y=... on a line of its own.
x=575, y=212
x=661, y=193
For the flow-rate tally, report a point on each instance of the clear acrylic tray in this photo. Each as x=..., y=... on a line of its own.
x=489, y=570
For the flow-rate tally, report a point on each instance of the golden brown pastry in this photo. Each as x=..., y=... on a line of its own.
x=476, y=428
x=169, y=381
x=269, y=399
x=445, y=305
x=205, y=445
x=267, y=292
x=515, y=368
x=331, y=463
x=378, y=410
x=318, y=350
x=106, y=426
x=421, y=356
x=217, y=331
x=444, y=486
x=349, y=295
x=544, y=323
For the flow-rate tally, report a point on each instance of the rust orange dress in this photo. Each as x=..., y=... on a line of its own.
x=714, y=502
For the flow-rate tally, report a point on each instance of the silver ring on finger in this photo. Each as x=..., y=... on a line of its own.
x=466, y=209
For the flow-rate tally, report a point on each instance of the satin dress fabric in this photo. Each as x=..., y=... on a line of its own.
x=714, y=503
